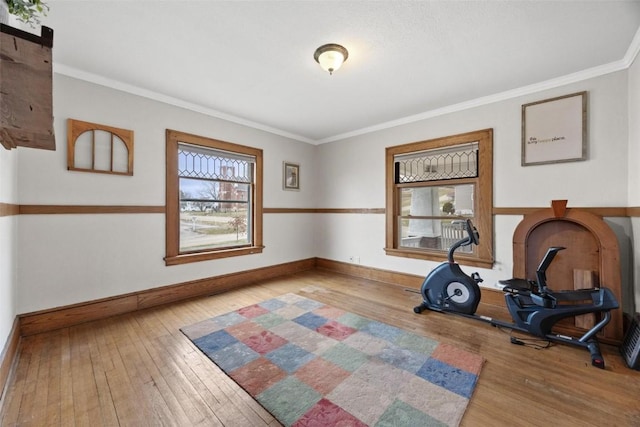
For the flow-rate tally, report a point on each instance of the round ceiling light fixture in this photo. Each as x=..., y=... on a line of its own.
x=330, y=56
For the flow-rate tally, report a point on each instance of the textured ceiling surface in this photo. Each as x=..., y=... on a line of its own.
x=252, y=61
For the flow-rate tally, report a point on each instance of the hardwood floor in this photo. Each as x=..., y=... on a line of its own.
x=138, y=369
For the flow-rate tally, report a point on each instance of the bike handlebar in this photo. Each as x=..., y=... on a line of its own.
x=473, y=237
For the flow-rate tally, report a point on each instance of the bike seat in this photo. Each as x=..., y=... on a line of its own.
x=518, y=286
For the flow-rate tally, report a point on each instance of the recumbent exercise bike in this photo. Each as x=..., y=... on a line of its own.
x=534, y=308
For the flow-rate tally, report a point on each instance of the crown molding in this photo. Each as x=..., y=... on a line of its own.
x=612, y=67
x=634, y=49
x=490, y=99
x=75, y=73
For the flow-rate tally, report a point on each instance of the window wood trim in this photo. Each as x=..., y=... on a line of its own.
x=483, y=208
x=172, y=207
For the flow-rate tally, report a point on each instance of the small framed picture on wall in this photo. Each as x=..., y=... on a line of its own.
x=291, y=176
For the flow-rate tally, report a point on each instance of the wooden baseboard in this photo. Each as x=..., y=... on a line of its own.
x=405, y=280
x=8, y=356
x=62, y=317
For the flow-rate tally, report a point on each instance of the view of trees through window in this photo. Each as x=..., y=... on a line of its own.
x=213, y=199
x=215, y=195
x=208, y=219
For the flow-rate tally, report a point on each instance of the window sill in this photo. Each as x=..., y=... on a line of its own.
x=439, y=257
x=205, y=256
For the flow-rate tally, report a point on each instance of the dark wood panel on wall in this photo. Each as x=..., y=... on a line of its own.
x=26, y=105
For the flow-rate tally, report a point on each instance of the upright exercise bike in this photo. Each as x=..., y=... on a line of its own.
x=534, y=308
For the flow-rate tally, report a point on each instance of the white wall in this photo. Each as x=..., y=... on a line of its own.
x=354, y=170
x=8, y=243
x=634, y=166
x=65, y=259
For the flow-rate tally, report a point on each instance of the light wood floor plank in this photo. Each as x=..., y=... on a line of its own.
x=108, y=412
x=85, y=392
x=46, y=375
x=131, y=398
x=183, y=409
x=140, y=364
x=27, y=400
x=139, y=369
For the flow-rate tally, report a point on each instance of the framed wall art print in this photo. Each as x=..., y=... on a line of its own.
x=291, y=176
x=555, y=130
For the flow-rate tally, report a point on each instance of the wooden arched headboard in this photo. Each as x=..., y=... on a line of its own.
x=591, y=257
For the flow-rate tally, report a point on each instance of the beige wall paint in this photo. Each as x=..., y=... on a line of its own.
x=599, y=181
x=65, y=259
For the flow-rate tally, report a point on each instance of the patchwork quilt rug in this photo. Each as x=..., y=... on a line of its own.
x=310, y=364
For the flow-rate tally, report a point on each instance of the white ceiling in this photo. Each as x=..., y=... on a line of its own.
x=252, y=62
